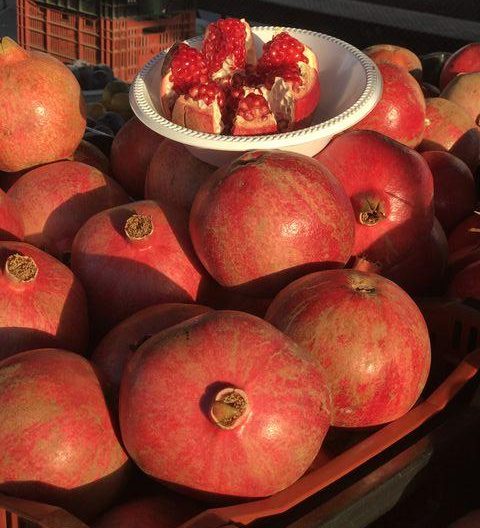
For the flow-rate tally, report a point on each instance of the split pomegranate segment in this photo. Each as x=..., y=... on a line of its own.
x=221, y=89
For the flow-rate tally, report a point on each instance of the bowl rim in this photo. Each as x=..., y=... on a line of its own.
x=149, y=115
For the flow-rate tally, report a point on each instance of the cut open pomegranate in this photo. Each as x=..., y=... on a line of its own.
x=253, y=116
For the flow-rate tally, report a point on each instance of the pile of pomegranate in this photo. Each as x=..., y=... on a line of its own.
x=224, y=89
x=174, y=334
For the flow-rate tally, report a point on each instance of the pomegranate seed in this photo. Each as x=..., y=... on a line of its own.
x=208, y=93
x=253, y=106
x=282, y=49
x=188, y=68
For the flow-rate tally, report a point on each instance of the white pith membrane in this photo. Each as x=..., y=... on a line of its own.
x=187, y=111
x=239, y=122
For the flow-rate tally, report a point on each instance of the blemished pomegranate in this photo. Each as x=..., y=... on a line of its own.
x=454, y=188
x=400, y=113
x=118, y=346
x=249, y=397
x=162, y=511
x=466, y=283
x=464, y=90
x=91, y=155
x=466, y=234
x=175, y=175
x=11, y=224
x=449, y=128
x=397, y=55
x=269, y=217
x=42, y=128
x=57, y=441
x=132, y=150
x=367, y=334
x=391, y=189
x=464, y=60
x=133, y=256
x=55, y=200
x=42, y=304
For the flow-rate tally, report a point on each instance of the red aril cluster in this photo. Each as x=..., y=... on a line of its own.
x=188, y=68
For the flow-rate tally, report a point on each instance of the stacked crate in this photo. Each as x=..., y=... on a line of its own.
x=118, y=34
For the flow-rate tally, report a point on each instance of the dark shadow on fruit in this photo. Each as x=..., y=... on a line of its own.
x=432, y=64
x=6, y=235
x=99, y=139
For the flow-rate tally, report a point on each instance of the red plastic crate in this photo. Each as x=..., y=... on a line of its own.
x=124, y=44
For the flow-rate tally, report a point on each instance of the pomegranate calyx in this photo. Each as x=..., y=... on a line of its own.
x=138, y=227
x=363, y=284
x=371, y=213
x=228, y=408
x=11, y=52
x=21, y=268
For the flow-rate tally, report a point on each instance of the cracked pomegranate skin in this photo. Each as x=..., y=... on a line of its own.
x=400, y=113
x=368, y=335
x=57, y=442
x=268, y=218
x=384, y=175
x=169, y=390
x=43, y=112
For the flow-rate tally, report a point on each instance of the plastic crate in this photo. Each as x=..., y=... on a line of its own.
x=451, y=324
x=124, y=44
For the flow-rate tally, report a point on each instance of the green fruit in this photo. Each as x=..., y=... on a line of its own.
x=119, y=103
x=111, y=89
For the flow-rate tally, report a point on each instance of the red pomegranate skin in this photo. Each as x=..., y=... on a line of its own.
x=43, y=112
x=466, y=234
x=121, y=275
x=57, y=441
x=389, y=183
x=454, y=193
x=174, y=175
x=91, y=155
x=400, y=113
x=464, y=90
x=55, y=200
x=402, y=57
x=464, y=60
x=268, y=218
x=48, y=311
x=164, y=511
x=266, y=448
x=368, y=335
x=449, y=128
x=132, y=150
x=466, y=284
x=11, y=224
x=118, y=346
x=422, y=271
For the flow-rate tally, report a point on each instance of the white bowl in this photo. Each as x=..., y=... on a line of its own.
x=351, y=86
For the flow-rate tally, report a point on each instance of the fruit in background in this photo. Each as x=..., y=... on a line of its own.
x=432, y=64
x=55, y=200
x=120, y=104
x=454, y=189
x=448, y=127
x=391, y=190
x=42, y=304
x=43, y=128
x=91, y=155
x=269, y=217
x=11, y=224
x=400, y=113
x=95, y=110
x=464, y=90
x=429, y=90
x=466, y=234
x=111, y=89
x=99, y=139
x=174, y=175
x=239, y=397
x=132, y=150
x=112, y=120
x=57, y=441
x=367, y=334
x=133, y=256
x=162, y=511
x=466, y=284
x=464, y=60
x=115, y=350
x=403, y=57
x=423, y=269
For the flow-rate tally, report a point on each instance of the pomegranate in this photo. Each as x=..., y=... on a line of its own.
x=11, y=224
x=464, y=90
x=133, y=256
x=466, y=234
x=174, y=175
x=284, y=49
x=367, y=334
x=403, y=57
x=454, y=188
x=448, y=127
x=132, y=150
x=391, y=189
x=269, y=217
x=43, y=112
x=465, y=283
x=57, y=441
x=400, y=113
x=464, y=60
x=116, y=348
x=460, y=259
x=423, y=269
x=248, y=395
x=253, y=116
x=55, y=200
x=42, y=303
x=91, y=155
x=163, y=511
x=429, y=91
